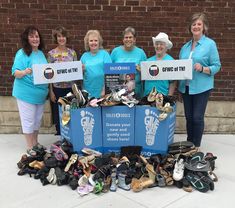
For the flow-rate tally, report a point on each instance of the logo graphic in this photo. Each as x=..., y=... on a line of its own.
x=153, y=70
x=151, y=125
x=87, y=122
x=49, y=73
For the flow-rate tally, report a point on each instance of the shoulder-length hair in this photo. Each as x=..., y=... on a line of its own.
x=59, y=30
x=203, y=18
x=86, y=39
x=25, y=39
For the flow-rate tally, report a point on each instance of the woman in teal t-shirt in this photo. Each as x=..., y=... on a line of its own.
x=128, y=52
x=93, y=61
x=30, y=98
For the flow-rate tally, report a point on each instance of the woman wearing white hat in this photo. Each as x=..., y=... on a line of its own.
x=206, y=63
x=161, y=44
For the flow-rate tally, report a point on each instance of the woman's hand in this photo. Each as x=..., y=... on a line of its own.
x=198, y=67
x=28, y=71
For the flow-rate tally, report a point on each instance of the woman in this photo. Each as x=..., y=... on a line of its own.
x=206, y=63
x=128, y=52
x=161, y=44
x=60, y=54
x=30, y=98
x=93, y=61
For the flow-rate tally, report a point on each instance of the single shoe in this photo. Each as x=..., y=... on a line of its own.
x=159, y=101
x=89, y=151
x=66, y=115
x=197, y=183
x=167, y=108
x=71, y=161
x=162, y=116
x=113, y=186
x=152, y=95
x=178, y=172
x=84, y=190
x=122, y=182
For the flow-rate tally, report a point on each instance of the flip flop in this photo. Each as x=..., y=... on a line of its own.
x=197, y=183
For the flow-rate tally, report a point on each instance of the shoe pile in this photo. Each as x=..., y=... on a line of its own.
x=94, y=172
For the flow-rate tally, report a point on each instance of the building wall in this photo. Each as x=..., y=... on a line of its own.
x=111, y=17
x=220, y=117
x=149, y=17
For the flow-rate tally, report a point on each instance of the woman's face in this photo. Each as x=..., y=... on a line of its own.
x=129, y=41
x=34, y=40
x=197, y=28
x=160, y=48
x=61, y=40
x=93, y=42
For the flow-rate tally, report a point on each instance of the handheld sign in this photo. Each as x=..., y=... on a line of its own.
x=166, y=70
x=119, y=76
x=57, y=72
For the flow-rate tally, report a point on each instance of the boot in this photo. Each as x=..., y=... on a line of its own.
x=122, y=182
x=113, y=186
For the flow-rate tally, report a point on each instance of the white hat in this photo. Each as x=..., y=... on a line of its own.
x=163, y=37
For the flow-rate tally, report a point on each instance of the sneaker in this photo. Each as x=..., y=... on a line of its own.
x=178, y=172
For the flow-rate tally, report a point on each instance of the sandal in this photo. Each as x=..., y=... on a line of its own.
x=98, y=187
x=71, y=161
x=197, y=183
x=84, y=190
x=152, y=95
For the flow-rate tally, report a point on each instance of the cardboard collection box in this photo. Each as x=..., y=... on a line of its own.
x=106, y=129
x=118, y=127
x=153, y=135
x=84, y=128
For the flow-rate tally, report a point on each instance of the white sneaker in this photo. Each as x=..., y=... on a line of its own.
x=178, y=172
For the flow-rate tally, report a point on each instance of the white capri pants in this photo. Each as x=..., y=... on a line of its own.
x=30, y=116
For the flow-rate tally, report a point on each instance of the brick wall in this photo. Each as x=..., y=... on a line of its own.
x=148, y=17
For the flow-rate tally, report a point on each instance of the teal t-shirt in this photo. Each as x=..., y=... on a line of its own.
x=93, y=80
x=24, y=88
x=162, y=86
x=119, y=55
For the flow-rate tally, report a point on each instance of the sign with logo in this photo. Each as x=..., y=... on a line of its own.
x=166, y=70
x=57, y=72
x=119, y=76
x=151, y=133
x=118, y=127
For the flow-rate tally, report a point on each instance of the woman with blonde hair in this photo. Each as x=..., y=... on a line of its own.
x=93, y=61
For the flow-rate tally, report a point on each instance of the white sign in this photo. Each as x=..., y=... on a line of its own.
x=166, y=70
x=57, y=72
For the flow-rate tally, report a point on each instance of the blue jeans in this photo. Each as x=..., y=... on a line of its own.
x=194, y=110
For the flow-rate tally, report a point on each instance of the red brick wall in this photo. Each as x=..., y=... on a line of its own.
x=148, y=17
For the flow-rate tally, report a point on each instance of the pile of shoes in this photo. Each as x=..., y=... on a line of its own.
x=193, y=169
x=94, y=172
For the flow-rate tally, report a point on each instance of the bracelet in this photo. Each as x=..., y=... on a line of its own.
x=202, y=69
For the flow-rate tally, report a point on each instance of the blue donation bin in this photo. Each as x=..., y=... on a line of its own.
x=150, y=133
x=84, y=128
x=118, y=127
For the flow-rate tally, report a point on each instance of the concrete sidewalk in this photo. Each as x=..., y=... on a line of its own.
x=25, y=192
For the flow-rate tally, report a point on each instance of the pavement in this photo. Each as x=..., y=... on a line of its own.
x=25, y=192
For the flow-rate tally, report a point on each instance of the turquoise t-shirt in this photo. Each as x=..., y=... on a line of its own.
x=93, y=80
x=24, y=88
x=205, y=53
x=162, y=86
x=119, y=55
